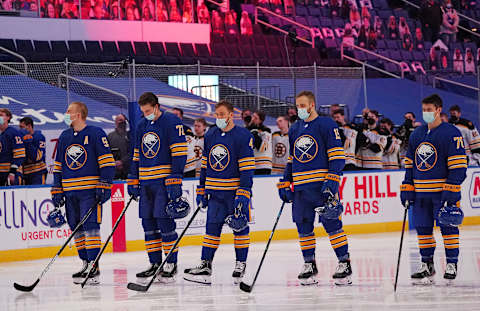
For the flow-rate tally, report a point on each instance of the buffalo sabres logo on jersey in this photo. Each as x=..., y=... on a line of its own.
x=305, y=148
x=425, y=156
x=75, y=157
x=280, y=150
x=150, y=144
x=219, y=157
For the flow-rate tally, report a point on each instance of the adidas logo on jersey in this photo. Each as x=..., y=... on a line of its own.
x=118, y=196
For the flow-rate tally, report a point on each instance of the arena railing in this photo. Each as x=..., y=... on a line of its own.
x=364, y=63
x=24, y=61
x=289, y=20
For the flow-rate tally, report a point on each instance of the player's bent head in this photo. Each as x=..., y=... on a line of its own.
x=80, y=108
x=4, y=112
x=305, y=99
x=148, y=98
x=432, y=103
x=26, y=123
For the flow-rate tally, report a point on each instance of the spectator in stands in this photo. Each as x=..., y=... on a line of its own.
x=49, y=10
x=392, y=29
x=407, y=43
x=372, y=39
x=292, y=114
x=34, y=6
x=187, y=12
x=419, y=39
x=262, y=143
x=348, y=35
x=362, y=38
x=435, y=58
x=431, y=19
x=366, y=23
x=175, y=15
x=378, y=26
x=120, y=145
x=334, y=8
x=69, y=10
x=131, y=10
x=203, y=14
x=130, y=13
x=449, y=27
x=345, y=9
x=355, y=18
x=98, y=12
x=115, y=11
x=246, y=28
x=469, y=62
x=217, y=24
x=151, y=7
x=231, y=27
x=458, y=61
x=365, y=13
x=403, y=28
x=162, y=13
x=146, y=15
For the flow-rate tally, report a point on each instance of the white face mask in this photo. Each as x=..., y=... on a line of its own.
x=428, y=116
x=303, y=113
x=151, y=116
x=221, y=123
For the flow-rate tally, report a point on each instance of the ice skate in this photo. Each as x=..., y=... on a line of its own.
x=200, y=274
x=343, y=273
x=308, y=274
x=238, y=272
x=424, y=275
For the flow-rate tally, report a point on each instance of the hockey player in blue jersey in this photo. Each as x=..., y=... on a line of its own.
x=34, y=168
x=159, y=156
x=228, y=165
x=12, y=151
x=82, y=178
x=435, y=167
x=314, y=168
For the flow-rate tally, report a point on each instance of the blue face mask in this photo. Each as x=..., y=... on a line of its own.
x=428, y=116
x=303, y=113
x=67, y=119
x=221, y=123
x=2, y=121
x=151, y=116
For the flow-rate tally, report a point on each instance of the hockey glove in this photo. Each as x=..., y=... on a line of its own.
x=174, y=186
x=451, y=194
x=55, y=218
x=202, y=199
x=284, y=191
x=133, y=188
x=330, y=187
x=407, y=193
x=58, y=197
x=14, y=176
x=242, y=196
x=103, y=192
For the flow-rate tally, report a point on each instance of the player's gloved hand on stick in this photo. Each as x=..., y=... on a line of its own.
x=330, y=187
x=201, y=199
x=451, y=194
x=173, y=184
x=103, y=192
x=14, y=176
x=55, y=218
x=133, y=188
x=407, y=194
x=58, y=197
x=284, y=191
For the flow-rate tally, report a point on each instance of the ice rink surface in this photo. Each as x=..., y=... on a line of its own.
x=374, y=258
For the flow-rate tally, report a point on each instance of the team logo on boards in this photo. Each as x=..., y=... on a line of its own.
x=219, y=157
x=474, y=193
x=280, y=150
x=305, y=148
x=425, y=156
x=75, y=157
x=150, y=144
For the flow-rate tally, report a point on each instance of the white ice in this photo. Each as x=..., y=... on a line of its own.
x=373, y=256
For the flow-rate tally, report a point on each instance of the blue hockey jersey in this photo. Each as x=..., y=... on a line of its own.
x=12, y=149
x=435, y=160
x=228, y=161
x=316, y=153
x=35, y=150
x=160, y=149
x=83, y=159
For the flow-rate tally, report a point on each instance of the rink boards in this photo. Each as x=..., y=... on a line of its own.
x=371, y=202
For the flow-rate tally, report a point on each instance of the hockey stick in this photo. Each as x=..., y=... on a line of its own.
x=144, y=288
x=248, y=288
x=407, y=204
x=97, y=259
x=29, y=288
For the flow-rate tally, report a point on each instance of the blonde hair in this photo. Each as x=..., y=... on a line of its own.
x=7, y=112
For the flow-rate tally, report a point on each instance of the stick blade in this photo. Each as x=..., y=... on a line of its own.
x=137, y=287
x=23, y=288
x=245, y=287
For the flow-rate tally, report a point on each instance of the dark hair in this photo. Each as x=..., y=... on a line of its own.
x=307, y=94
x=201, y=120
x=179, y=110
x=388, y=121
x=375, y=113
x=7, y=112
x=339, y=111
x=455, y=108
x=148, y=98
x=27, y=121
x=224, y=103
x=409, y=112
x=286, y=118
x=261, y=115
x=434, y=100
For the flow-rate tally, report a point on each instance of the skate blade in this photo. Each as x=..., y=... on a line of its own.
x=237, y=281
x=449, y=282
x=200, y=279
x=424, y=282
x=90, y=281
x=165, y=280
x=310, y=281
x=345, y=281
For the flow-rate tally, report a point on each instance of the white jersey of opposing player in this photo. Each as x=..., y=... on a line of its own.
x=198, y=145
x=390, y=156
x=281, y=149
x=350, y=143
x=366, y=158
x=472, y=142
x=191, y=157
x=263, y=155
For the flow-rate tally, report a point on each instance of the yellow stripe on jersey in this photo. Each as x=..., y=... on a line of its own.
x=106, y=160
x=19, y=153
x=136, y=154
x=4, y=167
x=263, y=160
x=222, y=183
x=306, y=177
x=57, y=167
x=289, y=159
x=39, y=155
x=35, y=167
x=179, y=149
x=408, y=162
x=80, y=183
x=336, y=153
x=154, y=172
x=457, y=161
x=204, y=162
x=429, y=185
x=247, y=163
